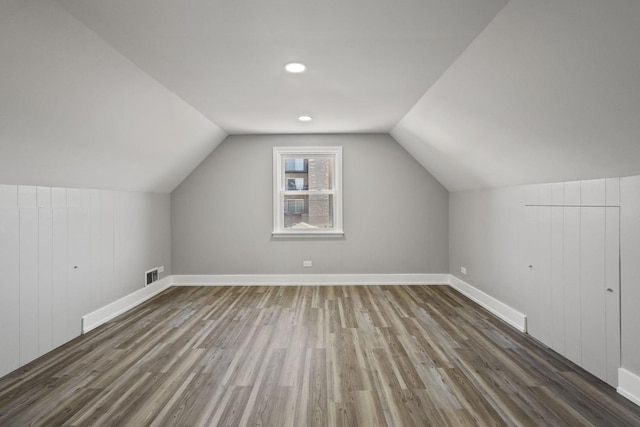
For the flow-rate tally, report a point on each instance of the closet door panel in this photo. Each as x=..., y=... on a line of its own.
x=571, y=290
x=612, y=297
x=45, y=279
x=557, y=279
x=592, y=278
x=529, y=263
x=60, y=267
x=543, y=320
x=78, y=267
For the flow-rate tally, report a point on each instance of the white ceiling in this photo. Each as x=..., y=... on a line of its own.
x=549, y=92
x=369, y=60
x=75, y=113
x=134, y=94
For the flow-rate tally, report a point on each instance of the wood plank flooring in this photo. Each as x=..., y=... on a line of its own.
x=307, y=356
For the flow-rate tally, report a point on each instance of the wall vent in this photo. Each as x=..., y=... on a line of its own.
x=150, y=276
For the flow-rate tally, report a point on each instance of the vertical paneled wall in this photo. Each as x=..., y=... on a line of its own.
x=630, y=271
x=571, y=272
x=575, y=235
x=66, y=252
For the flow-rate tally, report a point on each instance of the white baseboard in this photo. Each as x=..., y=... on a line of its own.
x=309, y=279
x=496, y=307
x=629, y=385
x=102, y=315
x=108, y=312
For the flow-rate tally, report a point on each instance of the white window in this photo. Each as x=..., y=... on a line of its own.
x=307, y=191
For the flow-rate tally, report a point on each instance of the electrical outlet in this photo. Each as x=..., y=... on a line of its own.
x=463, y=270
x=307, y=264
x=161, y=269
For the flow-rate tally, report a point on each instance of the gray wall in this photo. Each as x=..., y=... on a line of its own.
x=487, y=235
x=112, y=237
x=395, y=213
x=484, y=231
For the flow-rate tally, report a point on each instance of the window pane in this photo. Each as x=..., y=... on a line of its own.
x=308, y=211
x=295, y=165
x=296, y=184
x=309, y=174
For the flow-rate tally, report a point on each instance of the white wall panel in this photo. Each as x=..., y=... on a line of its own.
x=541, y=318
x=592, y=284
x=27, y=197
x=544, y=194
x=630, y=272
x=557, y=279
x=46, y=232
x=572, y=292
x=45, y=276
x=531, y=194
x=583, y=248
x=593, y=192
x=59, y=198
x=530, y=253
x=557, y=194
x=44, y=197
x=9, y=281
x=8, y=196
x=613, y=192
x=29, y=323
x=60, y=266
x=96, y=283
x=612, y=298
x=572, y=193
x=107, y=291
x=74, y=198
x=79, y=267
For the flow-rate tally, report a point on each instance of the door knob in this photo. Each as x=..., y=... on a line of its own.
x=609, y=290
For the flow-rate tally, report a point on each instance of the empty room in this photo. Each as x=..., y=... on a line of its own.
x=336, y=213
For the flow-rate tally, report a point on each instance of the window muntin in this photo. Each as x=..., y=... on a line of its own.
x=307, y=191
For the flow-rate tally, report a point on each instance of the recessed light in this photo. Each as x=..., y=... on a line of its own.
x=295, y=67
x=304, y=118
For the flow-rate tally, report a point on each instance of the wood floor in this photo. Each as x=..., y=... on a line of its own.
x=298, y=356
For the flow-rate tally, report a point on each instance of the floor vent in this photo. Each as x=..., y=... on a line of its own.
x=150, y=276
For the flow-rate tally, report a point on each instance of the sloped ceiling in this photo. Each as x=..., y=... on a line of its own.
x=76, y=113
x=549, y=92
x=369, y=61
x=133, y=94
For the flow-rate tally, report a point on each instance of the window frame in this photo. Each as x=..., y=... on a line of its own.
x=279, y=190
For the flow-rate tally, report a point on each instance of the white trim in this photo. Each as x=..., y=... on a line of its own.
x=629, y=385
x=511, y=316
x=102, y=315
x=309, y=279
x=307, y=233
x=279, y=191
x=496, y=307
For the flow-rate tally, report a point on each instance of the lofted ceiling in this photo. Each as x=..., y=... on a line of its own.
x=75, y=113
x=134, y=94
x=549, y=92
x=369, y=61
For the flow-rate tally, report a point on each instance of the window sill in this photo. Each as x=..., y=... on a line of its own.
x=333, y=234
